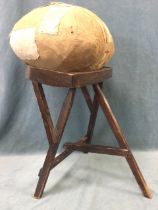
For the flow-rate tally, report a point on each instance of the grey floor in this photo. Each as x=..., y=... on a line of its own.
x=80, y=182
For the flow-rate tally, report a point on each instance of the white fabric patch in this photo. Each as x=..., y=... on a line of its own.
x=52, y=19
x=23, y=44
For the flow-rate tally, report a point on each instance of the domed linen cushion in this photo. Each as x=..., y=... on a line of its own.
x=62, y=37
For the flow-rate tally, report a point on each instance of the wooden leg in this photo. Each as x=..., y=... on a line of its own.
x=87, y=98
x=93, y=107
x=53, y=134
x=92, y=120
x=121, y=140
x=45, y=172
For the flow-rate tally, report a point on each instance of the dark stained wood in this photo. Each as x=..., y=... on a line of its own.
x=64, y=114
x=87, y=98
x=72, y=80
x=96, y=149
x=43, y=106
x=110, y=117
x=58, y=159
x=54, y=140
x=93, y=117
x=138, y=175
x=54, y=134
x=121, y=140
x=61, y=157
x=44, y=173
x=66, y=153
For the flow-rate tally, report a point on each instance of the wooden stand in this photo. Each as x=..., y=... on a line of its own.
x=54, y=134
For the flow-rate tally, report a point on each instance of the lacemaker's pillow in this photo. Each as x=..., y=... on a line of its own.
x=62, y=37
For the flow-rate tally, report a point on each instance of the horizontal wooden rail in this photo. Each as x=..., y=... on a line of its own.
x=96, y=149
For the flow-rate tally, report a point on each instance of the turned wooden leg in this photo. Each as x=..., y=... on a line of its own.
x=53, y=134
x=121, y=140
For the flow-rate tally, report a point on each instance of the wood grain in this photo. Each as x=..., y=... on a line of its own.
x=96, y=149
x=54, y=134
x=70, y=80
x=122, y=141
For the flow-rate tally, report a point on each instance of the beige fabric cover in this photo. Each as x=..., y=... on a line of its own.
x=62, y=37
